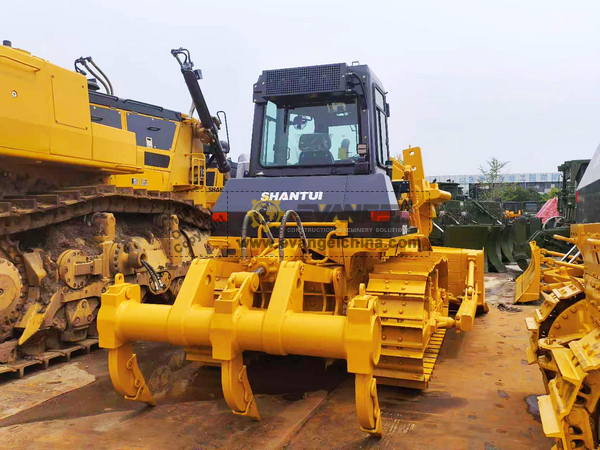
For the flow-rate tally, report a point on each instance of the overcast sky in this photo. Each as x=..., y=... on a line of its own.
x=467, y=80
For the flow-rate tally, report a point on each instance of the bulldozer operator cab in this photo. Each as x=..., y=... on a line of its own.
x=319, y=120
x=319, y=149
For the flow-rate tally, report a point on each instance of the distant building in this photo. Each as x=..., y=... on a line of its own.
x=540, y=182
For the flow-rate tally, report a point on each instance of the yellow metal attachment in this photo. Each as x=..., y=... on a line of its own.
x=367, y=405
x=81, y=312
x=10, y=287
x=122, y=362
x=565, y=341
x=545, y=273
x=126, y=375
x=528, y=284
x=231, y=325
x=236, y=388
x=466, y=312
x=34, y=267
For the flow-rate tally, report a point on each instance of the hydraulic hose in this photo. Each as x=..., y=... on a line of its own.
x=158, y=284
x=112, y=92
x=102, y=78
x=263, y=223
x=284, y=220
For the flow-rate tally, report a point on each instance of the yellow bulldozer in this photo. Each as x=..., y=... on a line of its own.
x=93, y=185
x=323, y=251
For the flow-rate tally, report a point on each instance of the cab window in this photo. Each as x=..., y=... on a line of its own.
x=381, y=138
x=310, y=132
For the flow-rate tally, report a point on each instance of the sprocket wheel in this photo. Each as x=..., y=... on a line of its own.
x=10, y=287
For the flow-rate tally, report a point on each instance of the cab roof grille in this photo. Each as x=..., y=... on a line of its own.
x=304, y=80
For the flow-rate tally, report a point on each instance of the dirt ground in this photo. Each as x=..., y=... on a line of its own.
x=482, y=396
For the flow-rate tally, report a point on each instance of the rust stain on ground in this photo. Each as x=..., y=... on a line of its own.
x=463, y=407
x=20, y=395
x=305, y=405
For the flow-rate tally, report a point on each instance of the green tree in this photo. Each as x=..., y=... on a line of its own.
x=551, y=194
x=518, y=194
x=493, y=177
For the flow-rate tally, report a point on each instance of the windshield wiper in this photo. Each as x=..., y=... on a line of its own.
x=363, y=97
x=285, y=120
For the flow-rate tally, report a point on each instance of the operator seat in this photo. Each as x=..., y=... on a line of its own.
x=314, y=149
x=344, y=149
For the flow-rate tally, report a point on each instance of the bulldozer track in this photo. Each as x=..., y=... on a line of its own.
x=27, y=212
x=410, y=299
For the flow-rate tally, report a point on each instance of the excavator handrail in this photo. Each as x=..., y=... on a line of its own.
x=32, y=66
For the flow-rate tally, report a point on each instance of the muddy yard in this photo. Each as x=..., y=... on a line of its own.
x=482, y=395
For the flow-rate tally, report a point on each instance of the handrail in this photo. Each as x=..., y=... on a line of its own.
x=35, y=68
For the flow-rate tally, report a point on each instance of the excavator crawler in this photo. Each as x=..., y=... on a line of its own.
x=323, y=251
x=92, y=186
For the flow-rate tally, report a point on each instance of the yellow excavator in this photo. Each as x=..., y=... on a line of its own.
x=93, y=185
x=323, y=251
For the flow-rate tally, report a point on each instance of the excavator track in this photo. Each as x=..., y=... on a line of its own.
x=59, y=252
x=94, y=186
x=412, y=296
x=27, y=212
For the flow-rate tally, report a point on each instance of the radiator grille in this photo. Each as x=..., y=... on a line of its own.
x=303, y=80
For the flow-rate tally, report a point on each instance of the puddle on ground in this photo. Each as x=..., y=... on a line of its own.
x=502, y=394
x=533, y=408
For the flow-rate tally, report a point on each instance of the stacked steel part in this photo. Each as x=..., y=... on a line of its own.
x=565, y=343
x=548, y=270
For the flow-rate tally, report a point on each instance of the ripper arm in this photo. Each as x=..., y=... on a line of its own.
x=230, y=325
